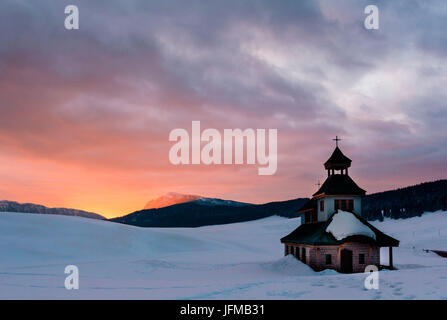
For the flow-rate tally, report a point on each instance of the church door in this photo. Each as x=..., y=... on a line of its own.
x=346, y=261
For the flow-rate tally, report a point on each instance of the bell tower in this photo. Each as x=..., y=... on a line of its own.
x=338, y=192
x=338, y=161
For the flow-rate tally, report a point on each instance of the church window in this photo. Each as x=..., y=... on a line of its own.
x=344, y=204
x=361, y=258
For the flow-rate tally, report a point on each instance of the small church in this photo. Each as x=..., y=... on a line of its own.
x=332, y=234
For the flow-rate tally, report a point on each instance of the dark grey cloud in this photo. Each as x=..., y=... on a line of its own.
x=296, y=65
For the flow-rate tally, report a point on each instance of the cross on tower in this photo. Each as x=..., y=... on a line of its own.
x=336, y=140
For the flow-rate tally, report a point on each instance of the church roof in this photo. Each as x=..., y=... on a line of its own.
x=337, y=160
x=340, y=184
x=316, y=234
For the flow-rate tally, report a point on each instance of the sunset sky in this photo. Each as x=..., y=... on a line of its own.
x=85, y=115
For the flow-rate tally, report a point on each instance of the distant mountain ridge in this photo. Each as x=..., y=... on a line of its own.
x=173, y=198
x=191, y=212
x=220, y=202
x=170, y=199
x=207, y=211
x=12, y=206
x=401, y=203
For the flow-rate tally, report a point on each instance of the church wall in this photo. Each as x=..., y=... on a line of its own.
x=320, y=257
x=322, y=215
x=372, y=255
x=316, y=255
x=329, y=206
x=358, y=206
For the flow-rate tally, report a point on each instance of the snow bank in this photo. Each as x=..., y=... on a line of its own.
x=345, y=224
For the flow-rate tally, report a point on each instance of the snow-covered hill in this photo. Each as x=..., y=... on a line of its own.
x=234, y=261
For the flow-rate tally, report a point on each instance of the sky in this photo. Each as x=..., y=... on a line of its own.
x=85, y=115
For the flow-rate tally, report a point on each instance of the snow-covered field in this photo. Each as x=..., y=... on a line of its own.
x=236, y=261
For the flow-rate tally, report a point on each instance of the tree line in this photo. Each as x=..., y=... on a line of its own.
x=406, y=202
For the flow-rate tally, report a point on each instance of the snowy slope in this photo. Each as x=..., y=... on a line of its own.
x=235, y=261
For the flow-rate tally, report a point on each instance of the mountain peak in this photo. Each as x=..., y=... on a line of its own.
x=170, y=199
